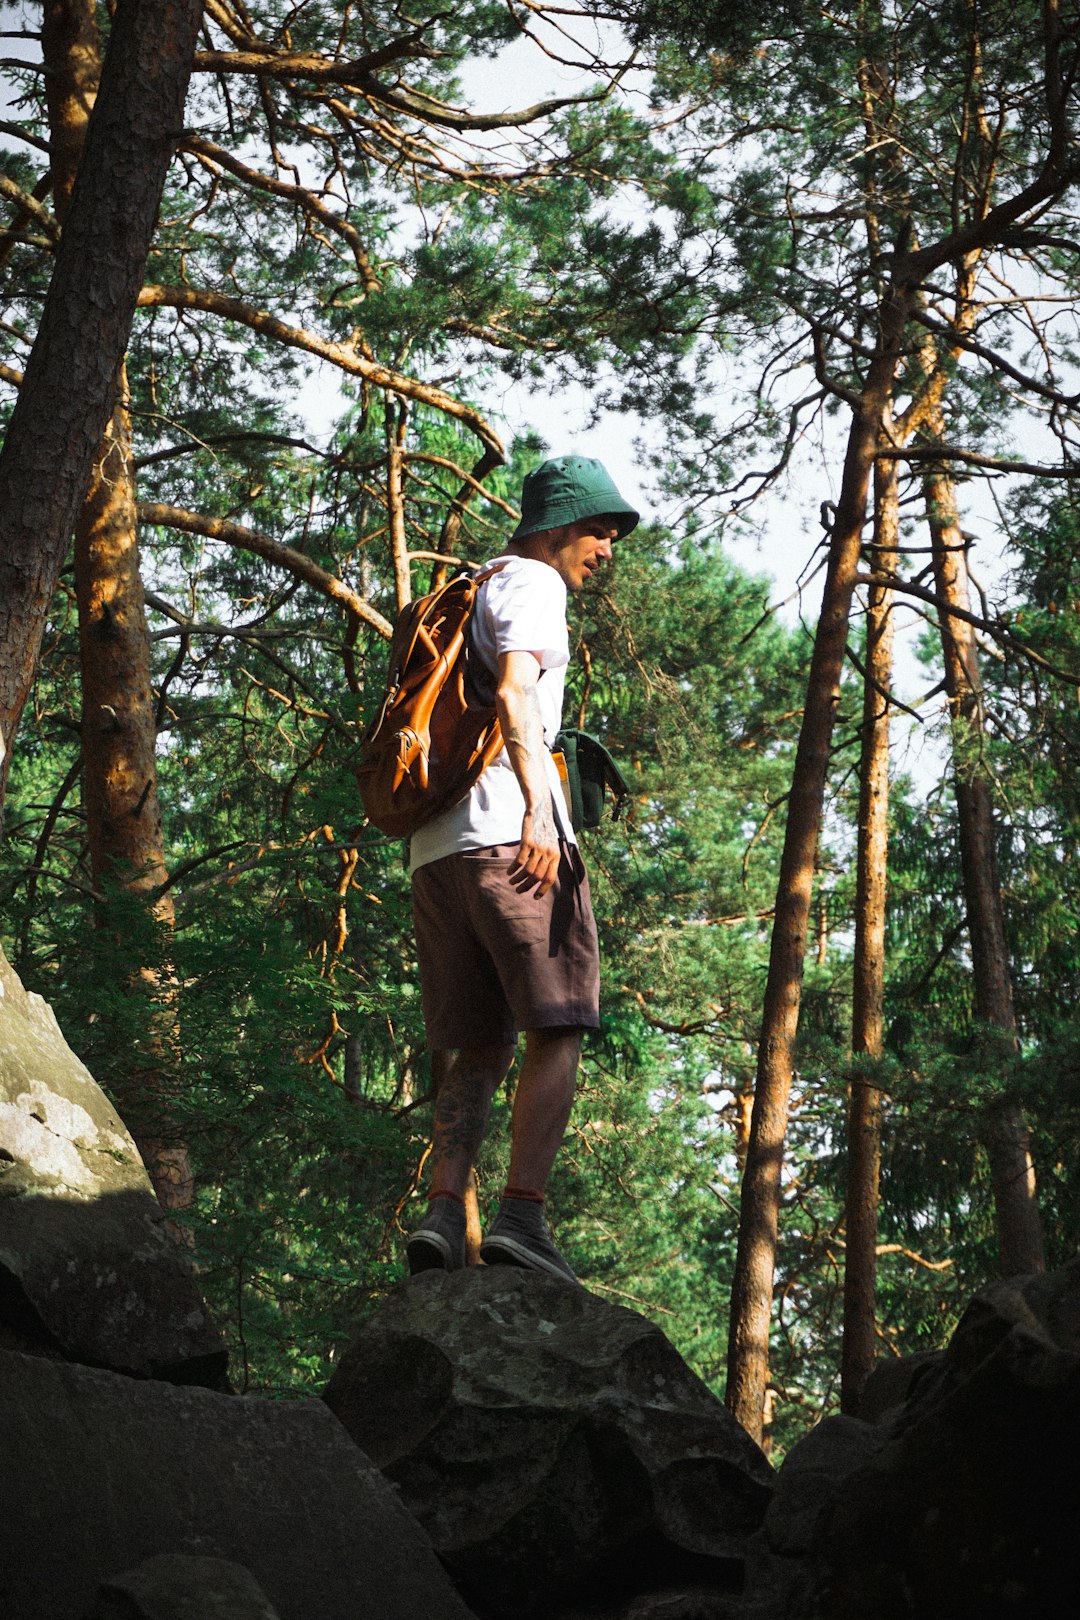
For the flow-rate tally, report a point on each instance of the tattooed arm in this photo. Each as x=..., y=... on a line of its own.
x=518, y=705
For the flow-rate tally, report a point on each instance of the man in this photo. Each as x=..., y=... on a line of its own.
x=504, y=925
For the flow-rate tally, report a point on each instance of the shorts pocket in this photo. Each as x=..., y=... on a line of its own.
x=507, y=919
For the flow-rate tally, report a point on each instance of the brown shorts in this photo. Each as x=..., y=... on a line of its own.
x=494, y=960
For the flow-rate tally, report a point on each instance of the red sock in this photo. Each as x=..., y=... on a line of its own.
x=526, y=1193
x=444, y=1192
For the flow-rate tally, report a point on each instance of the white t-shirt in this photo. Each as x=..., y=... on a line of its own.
x=522, y=608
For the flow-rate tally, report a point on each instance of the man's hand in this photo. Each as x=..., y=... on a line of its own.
x=537, y=863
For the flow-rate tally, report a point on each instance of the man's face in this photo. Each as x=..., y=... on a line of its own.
x=587, y=544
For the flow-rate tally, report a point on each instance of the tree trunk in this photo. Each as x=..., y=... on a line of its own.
x=71, y=49
x=752, y=1289
x=119, y=731
x=473, y=1229
x=1004, y=1133
x=70, y=383
x=864, y=1102
x=123, y=816
x=353, y=1068
x=744, y=1113
x=396, y=424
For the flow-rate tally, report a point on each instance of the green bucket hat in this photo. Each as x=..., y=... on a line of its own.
x=568, y=488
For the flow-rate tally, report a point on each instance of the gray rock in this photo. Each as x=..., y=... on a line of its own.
x=87, y=1268
x=547, y=1440
x=176, y=1586
x=969, y=1509
x=777, y=1564
x=810, y=1476
x=894, y=1379
x=102, y=1472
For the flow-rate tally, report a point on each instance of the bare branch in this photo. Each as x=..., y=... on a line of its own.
x=959, y=340
x=294, y=562
x=171, y=451
x=469, y=479
x=216, y=157
x=343, y=355
x=271, y=60
x=18, y=133
x=316, y=69
x=993, y=627
x=973, y=458
x=29, y=206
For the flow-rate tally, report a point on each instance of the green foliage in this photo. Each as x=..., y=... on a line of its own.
x=730, y=26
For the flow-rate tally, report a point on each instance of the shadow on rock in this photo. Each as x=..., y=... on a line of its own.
x=104, y=1473
x=960, y=1502
x=970, y=1508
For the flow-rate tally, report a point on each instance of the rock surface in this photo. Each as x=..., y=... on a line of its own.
x=965, y=1502
x=779, y=1557
x=102, y=1472
x=809, y=1478
x=176, y=1586
x=87, y=1268
x=548, y=1441
x=894, y=1380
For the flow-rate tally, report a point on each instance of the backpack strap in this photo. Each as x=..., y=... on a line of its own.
x=480, y=576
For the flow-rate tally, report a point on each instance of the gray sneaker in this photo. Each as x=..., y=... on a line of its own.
x=438, y=1244
x=519, y=1236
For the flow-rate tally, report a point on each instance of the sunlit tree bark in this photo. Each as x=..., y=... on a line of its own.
x=120, y=793
x=909, y=268
x=71, y=50
x=868, y=987
x=752, y=1289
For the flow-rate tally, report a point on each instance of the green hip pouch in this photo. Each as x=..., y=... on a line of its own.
x=588, y=774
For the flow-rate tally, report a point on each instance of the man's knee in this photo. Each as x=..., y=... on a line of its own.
x=555, y=1050
x=488, y=1065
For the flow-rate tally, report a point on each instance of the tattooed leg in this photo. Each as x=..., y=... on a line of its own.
x=462, y=1104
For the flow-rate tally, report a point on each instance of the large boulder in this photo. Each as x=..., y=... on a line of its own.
x=88, y=1270
x=970, y=1507
x=779, y=1555
x=103, y=1472
x=809, y=1478
x=549, y=1442
x=894, y=1380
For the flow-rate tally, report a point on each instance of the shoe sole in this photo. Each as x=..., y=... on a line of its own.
x=507, y=1251
x=428, y=1251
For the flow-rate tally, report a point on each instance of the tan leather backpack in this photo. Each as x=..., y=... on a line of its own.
x=435, y=731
